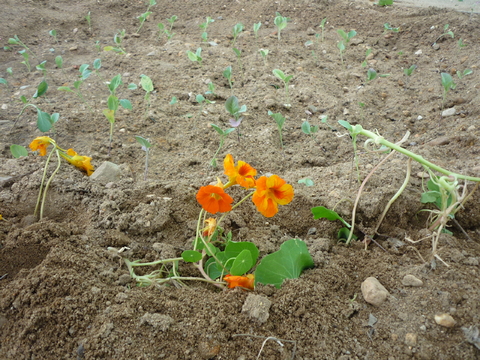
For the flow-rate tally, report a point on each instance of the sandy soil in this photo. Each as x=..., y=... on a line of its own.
x=66, y=296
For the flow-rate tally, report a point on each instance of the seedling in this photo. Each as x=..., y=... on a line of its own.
x=256, y=27
x=98, y=46
x=322, y=26
x=4, y=82
x=448, y=84
x=461, y=44
x=54, y=34
x=142, y=18
x=167, y=32
x=463, y=73
x=306, y=182
x=321, y=212
x=174, y=100
x=446, y=32
x=367, y=53
x=385, y=2
x=211, y=89
x=346, y=36
x=89, y=21
x=264, y=53
x=10, y=71
x=196, y=56
x=233, y=107
x=145, y=147
x=223, y=135
x=147, y=85
x=117, y=39
x=227, y=73
x=204, y=27
x=238, y=53
x=408, y=72
x=41, y=67
x=286, y=79
x=309, y=129
x=387, y=28
x=59, y=62
x=85, y=72
x=202, y=101
x=341, y=48
x=281, y=23
x=16, y=41
x=279, y=120
x=372, y=74
x=237, y=29
x=25, y=59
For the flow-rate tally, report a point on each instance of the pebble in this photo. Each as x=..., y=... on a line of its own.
x=373, y=292
x=124, y=279
x=73, y=48
x=418, y=52
x=156, y=320
x=410, y=280
x=105, y=173
x=436, y=46
x=423, y=175
x=257, y=307
x=4, y=106
x=449, y=112
x=410, y=339
x=445, y=320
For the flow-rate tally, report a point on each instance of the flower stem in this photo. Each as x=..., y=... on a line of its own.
x=41, y=184
x=49, y=181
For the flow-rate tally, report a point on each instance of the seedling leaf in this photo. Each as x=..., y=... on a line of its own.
x=142, y=141
x=18, y=151
x=320, y=212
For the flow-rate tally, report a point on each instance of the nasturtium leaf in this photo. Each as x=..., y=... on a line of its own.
x=286, y=263
x=344, y=233
x=41, y=89
x=126, y=104
x=233, y=249
x=191, y=256
x=242, y=263
x=18, y=151
x=43, y=121
x=212, y=269
x=429, y=197
x=322, y=212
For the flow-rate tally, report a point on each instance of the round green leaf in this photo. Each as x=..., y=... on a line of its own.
x=191, y=256
x=18, y=151
x=242, y=263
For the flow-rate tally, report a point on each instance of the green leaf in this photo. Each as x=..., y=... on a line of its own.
x=41, y=89
x=23, y=99
x=43, y=121
x=279, y=74
x=132, y=86
x=126, y=104
x=115, y=83
x=112, y=102
x=200, y=98
x=3, y=81
x=64, y=88
x=345, y=124
x=344, y=233
x=231, y=105
x=212, y=269
x=306, y=181
x=228, y=131
x=54, y=118
x=430, y=197
x=192, y=56
x=146, y=83
x=174, y=100
x=110, y=115
x=59, y=61
x=287, y=263
x=97, y=64
x=142, y=141
x=18, y=151
x=191, y=256
x=321, y=212
x=242, y=263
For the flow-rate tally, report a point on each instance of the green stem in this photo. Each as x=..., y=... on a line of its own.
x=43, y=180
x=48, y=183
x=146, y=165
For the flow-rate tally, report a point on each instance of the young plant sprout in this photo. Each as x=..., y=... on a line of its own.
x=448, y=84
x=202, y=101
x=204, y=27
x=89, y=21
x=309, y=129
x=85, y=72
x=445, y=33
x=223, y=135
x=279, y=120
x=16, y=41
x=256, y=27
x=211, y=89
x=59, y=62
x=238, y=53
x=25, y=59
x=341, y=48
x=387, y=28
x=145, y=147
x=227, y=73
x=147, y=85
x=174, y=100
x=367, y=53
x=408, y=72
x=463, y=73
x=195, y=56
x=461, y=44
x=10, y=71
x=41, y=67
x=4, y=82
x=117, y=39
x=54, y=34
x=281, y=23
x=372, y=74
x=322, y=26
x=167, y=32
x=142, y=18
x=346, y=36
x=286, y=79
x=264, y=53
x=234, y=109
x=237, y=29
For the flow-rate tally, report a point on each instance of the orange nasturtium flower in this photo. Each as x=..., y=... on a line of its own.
x=213, y=199
x=81, y=162
x=270, y=193
x=211, y=226
x=41, y=143
x=242, y=174
x=247, y=282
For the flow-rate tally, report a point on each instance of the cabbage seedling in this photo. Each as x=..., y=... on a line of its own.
x=372, y=74
x=195, y=56
x=168, y=32
x=227, y=73
x=204, y=27
x=408, y=72
x=286, y=79
x=279, y=120
x=223, y=135
x=142, y=18
x=202, y=101
x=445, y=33
x=89, y=21
x=309, y=129
x=145, y=147
x=234, y=109
x=4, y=82
x=341, y=48
x=387, y=28
x=41, y=67
x=238, y=53
x=281, y=23
x=147, y=85
x=211, y=89
x=461, y=44
x=465, y=72
x=117, y=39
x=25, y=61
x=264, y=53
x=237, y=29
x=16, y=41
x=448, y=84
x=256, y=27
x=84, y=74
x=346, y=36
x=322, y=26
x=368, y=52
x=54, y=34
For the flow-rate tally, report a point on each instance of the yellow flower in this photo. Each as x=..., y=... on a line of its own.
x=242, y=174
x=81, y=162
x=41, y=143
x=270, y=193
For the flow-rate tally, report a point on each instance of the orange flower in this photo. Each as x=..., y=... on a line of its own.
x=247, y=282
x=211, y=226
x=41, y=143
x=242, y=174
x=82, y=162
x=213, y=199
x=270, y=193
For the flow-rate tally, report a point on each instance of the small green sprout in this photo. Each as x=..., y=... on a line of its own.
x=202, y=101
x=145, y=147
x=142, y=18
x=372, y=74
x=306, y=181
x=10, y=71
x=461, y=44
x=233, y=107
x=367, y=53
x=98, y=46
x=286, y=79
x=85, y=72
x=211, y=89
x=168, y=32
x=204, y=27
x=196, y=56
x=25, y=61
x=322, y=26
x=321, y=212
x=117, y=39
x=384, y=2
x=256, y=27
x=237, y=29
x=4, y=82
x=463, y=73
x=227, y=73
x=280, y=121
x=309, y=129
x=89, y=21
x=445, y=33
x=59, y=62
x=238, y=53
x=41, y=67
x=174, y=100
x=16, y=41
x=346, y=36
x=281, y=23
x=448, y=84
x=408, y=72
x=54, y=34
x=341, y=48
x=223, y=135
x=387, y=28
x=147, y=85
x=264, y=53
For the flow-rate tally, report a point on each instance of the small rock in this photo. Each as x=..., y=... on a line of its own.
x=472, y=261
x=449, y=112
x=310, y=31
x=436, y=46
x=208, y=349
x=445, y=320
x=423, y=175
x=160, y=321
x=410, y=339
x=73, y=48
x=410, y=280
x=4, y=106
x=107, y=172
x=124, y=279
x=257, y=307
x=152, y=53
x=373, y=292
x=418, y=52
x=312, y=231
